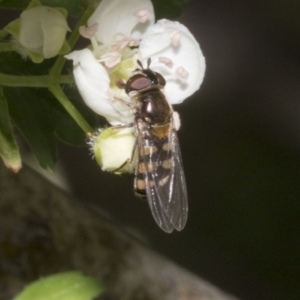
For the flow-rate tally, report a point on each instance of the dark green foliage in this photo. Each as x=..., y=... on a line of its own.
x=37, y=114
x=74, y=7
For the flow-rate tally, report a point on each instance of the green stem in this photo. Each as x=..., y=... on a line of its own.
x=56, y=90
x=59, y=63
x=34, y=81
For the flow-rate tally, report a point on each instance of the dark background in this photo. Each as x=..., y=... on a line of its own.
x=240, y=141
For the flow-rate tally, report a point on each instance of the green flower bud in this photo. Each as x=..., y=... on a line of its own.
x=113, y=149
x=40, y=31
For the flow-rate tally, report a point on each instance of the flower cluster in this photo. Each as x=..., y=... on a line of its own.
x=121, y=33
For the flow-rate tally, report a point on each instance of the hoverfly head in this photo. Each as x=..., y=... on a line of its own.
x=144, y=79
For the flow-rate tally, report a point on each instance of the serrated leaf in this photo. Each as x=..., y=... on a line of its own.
x=64, y=286
x=74, y=7
x=9, y=150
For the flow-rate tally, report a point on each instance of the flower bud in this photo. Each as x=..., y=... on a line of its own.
x=113, y=149
x=41, y=31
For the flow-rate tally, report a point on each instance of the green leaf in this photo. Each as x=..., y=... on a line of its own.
x=167, y=9
x=14, y=64
x=40, y=118
x=65, y=286
x=9, y=150
x=38, y=115
x=74, y=7
x=32, y=115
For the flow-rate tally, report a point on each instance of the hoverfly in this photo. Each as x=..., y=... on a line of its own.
x=159, y=175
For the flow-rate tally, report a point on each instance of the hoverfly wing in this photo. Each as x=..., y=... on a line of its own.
x=144, y=179
x=170, y=186
x=164, y=182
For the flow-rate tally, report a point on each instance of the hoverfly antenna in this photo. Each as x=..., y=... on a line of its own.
x=148, y=62
x=140, y=64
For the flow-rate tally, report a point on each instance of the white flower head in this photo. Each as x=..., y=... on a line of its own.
x=121, y=33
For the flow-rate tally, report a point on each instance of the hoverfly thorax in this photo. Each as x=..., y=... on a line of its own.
x=145, y=89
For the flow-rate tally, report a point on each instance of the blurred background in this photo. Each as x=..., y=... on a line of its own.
x=240, y=142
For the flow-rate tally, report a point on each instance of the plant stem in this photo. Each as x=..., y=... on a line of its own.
x=57, y=68
x=34, y=81
x=56, y=90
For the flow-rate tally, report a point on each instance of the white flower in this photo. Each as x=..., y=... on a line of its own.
x=93, y=83
x=115, y=24
x=41, y=31
x=118, y=19
x=122, y=32
x=176, y=55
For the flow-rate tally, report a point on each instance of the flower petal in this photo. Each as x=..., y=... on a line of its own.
x=120, y=19
x=176, y=55
x=93, y=84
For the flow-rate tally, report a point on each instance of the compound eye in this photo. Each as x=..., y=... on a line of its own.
x=136, y=83
x=160, y=79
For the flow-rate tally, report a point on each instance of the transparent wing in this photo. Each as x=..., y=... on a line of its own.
x=164, y=179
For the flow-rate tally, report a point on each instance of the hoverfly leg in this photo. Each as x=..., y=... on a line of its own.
x=122, y=166
x=134, y=153
x=115, y=99
x=122, y=126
